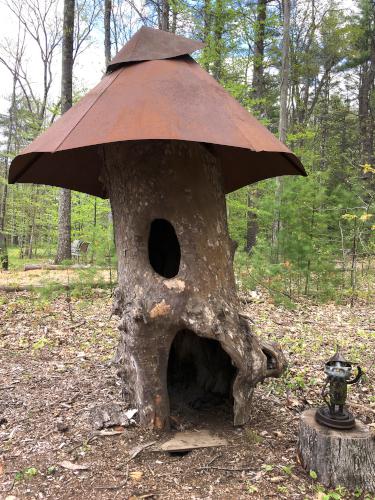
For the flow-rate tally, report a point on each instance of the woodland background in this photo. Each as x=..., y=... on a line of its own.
x=305, y=68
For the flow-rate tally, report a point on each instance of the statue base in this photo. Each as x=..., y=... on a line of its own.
x=339, y=457
x=342, y=421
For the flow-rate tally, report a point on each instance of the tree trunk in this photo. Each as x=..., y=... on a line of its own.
x=283, y=120
x=283, y=123
x=4, y=261
x=252, y=219
x=164, y=15
x=207, y=21
x=174, y=19
x=107, y=31
x=339, y=457
x=218, y=32
x=258, y=65
x=258, y=93
x=366, y=89
x=64, y=239
x=175, y=279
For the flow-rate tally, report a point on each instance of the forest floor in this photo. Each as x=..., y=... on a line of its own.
x=45, y=278
x=55, y=369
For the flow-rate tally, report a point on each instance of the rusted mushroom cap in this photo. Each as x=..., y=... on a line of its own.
x=150, y=45
x=170, y=98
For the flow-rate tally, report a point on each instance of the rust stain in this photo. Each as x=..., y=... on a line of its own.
x=161, y=309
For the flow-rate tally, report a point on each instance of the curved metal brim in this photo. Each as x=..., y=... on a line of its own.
x=172, y=99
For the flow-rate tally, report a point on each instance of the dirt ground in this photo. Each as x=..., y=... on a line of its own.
x=55, y=369
x=44, y=277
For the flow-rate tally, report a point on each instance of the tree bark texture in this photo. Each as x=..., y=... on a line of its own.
x=340, y=458
x=283, y=121
x=207, y=22
x=163, y=15
x=285, y=65
x=258, y=65
x=107, y=31
x=64, y=239
x=258, y=93
x=4, y=262
x=252, y=219
x=365, y=92
x=218, y=32
x=67, y=56
x=180, y=183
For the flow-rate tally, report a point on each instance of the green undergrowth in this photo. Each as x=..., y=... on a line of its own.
x=286, y=284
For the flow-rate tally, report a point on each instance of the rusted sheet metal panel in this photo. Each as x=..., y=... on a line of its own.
x=172, y=99
x=145, y=45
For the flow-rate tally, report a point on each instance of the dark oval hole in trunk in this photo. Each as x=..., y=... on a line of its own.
x=163, y=248
x=200, y=373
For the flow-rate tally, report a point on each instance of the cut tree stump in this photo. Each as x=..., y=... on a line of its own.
x=339, y=457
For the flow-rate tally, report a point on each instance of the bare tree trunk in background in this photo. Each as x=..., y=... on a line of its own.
x=365, y=106
x=64, y=239
x=206, y=32
x=107, y=31
x=4, y=262
x=258, y=65
x=174, y=19
x=218, y=28
x=258, y=93
x=163, y=14
x=283, y=122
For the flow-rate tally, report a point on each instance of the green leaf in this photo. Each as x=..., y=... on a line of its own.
x=313, y=474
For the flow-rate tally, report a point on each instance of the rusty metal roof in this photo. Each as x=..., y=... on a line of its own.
x=171, y=98
x=149, y=45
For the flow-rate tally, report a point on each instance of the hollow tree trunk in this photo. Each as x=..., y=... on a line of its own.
x=180, y=184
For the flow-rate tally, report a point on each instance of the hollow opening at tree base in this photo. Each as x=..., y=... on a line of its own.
x=200, y=376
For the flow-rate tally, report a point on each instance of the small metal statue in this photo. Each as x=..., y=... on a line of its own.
x=338, y=372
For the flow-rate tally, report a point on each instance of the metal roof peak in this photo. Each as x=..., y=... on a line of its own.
x=150, y=44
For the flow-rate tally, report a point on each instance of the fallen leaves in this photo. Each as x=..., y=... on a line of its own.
x=72, y=466
x=277, y=479
x=136, y=475
x=54, y=375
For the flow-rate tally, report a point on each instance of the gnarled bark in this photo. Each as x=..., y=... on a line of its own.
x=175, y=272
